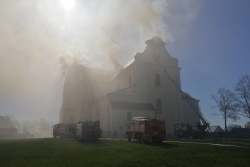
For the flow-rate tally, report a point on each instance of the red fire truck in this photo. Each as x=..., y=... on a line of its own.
x=144, y=130
x=88, y=130
x=63, y=130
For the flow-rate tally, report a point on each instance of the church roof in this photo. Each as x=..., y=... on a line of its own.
x=187, y=96
x=132, y=105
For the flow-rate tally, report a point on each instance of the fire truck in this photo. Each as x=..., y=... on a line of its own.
x=145, y=129
x=88, y=130
x=63, y=130
x=200, y=131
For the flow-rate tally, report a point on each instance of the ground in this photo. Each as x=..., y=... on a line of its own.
x=67, y=152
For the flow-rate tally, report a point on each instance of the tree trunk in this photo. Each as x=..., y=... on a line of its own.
x=225, y=124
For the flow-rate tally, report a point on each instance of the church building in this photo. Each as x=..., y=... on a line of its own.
x=149, y=86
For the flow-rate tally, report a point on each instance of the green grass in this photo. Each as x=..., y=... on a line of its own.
x=69, y=153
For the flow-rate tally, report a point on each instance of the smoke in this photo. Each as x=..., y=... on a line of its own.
x=118, y=28
x=29, y=80
x=40, y=39
x=140, y=20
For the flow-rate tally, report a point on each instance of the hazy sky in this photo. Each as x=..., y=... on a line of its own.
x=211, y=39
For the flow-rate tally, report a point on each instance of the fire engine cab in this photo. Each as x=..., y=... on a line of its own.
x=63, y=130
x=145, y=129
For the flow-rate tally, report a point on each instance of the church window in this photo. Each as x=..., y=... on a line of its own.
x=158, y=106
x=157, y=80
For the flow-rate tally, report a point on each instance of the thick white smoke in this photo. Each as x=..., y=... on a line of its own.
x=37, y=35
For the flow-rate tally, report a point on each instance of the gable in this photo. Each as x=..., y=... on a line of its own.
x=155, y=52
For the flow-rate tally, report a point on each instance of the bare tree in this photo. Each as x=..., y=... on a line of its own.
x=242, y=91
x=225, y=101
x=30, y=127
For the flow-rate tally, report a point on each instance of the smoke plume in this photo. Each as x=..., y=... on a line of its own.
x=37, y=37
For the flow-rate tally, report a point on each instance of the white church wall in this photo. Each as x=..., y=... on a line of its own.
x=166, y=92
x=124, y=80
x=127, y=77
x=173, y=73
x=188, y=114
x=101, y=111
x=127, y=94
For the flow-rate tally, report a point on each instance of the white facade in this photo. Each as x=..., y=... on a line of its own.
x=148, y=87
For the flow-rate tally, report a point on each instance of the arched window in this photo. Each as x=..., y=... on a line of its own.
x=158, y=106
x=157, y=80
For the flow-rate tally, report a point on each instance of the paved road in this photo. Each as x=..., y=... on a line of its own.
x=213, y=144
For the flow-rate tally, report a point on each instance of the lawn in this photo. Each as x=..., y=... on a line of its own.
x=65, y=152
